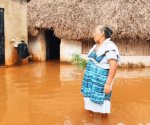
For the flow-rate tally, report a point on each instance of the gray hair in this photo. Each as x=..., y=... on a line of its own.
x=106, y=30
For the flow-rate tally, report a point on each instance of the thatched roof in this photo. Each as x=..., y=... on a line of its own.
x=76, y=19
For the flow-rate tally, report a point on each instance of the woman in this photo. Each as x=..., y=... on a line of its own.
x=103, y=60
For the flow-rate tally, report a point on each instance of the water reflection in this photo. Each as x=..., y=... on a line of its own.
x=3, y=96
x=49, y=94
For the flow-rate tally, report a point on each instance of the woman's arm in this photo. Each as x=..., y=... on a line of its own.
x=112, y=71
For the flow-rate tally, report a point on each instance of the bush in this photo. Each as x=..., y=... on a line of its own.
x=77, y=60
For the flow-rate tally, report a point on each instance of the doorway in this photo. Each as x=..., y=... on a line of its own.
x=52, y=45
x=2, y=46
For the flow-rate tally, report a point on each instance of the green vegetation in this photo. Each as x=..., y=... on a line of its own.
x=81, y=63
x=77, y=60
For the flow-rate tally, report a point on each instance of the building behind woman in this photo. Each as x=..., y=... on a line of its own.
x=99, y=74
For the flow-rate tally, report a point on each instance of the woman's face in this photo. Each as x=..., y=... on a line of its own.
x=97, y=35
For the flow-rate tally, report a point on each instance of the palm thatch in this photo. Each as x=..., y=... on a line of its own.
x=76, y=19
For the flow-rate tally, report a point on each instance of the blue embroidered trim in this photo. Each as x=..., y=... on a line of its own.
x=93, y=83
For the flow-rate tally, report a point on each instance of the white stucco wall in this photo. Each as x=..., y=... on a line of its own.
x=37, y=47
x=68, y=48
x=136, y=59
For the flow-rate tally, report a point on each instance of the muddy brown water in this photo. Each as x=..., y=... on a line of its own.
x=49, y=94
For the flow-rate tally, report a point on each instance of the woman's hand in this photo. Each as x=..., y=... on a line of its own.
x=112, y=71
x=107, y=88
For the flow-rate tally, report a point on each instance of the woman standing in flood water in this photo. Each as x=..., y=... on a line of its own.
x=103, y=60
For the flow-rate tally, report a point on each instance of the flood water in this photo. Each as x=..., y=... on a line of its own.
x=49, y=94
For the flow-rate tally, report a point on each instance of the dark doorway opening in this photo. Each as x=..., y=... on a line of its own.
x=2, y=46
x=52, y=45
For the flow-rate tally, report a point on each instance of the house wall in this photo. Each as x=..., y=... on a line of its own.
x=15, y=26
x=37, y=47
x=136, y=59
x=133, y=47
x=68, y=48
x=130, y=59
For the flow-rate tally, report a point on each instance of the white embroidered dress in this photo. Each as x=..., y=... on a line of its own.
x=112, y=53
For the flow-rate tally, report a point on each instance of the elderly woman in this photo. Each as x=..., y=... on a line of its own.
x=103, y=60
